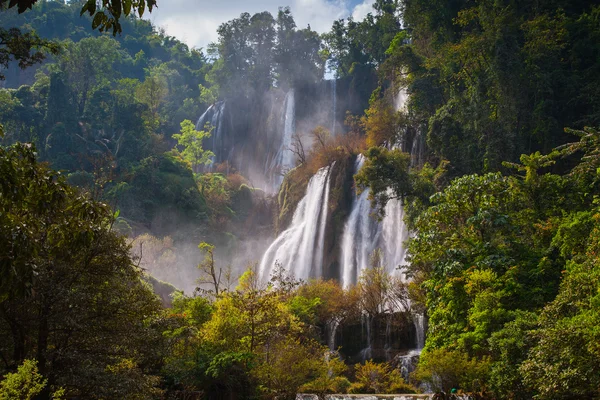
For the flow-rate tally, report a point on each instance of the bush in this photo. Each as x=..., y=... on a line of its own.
x=379, y=378
x=24, y=384
x=444, y=369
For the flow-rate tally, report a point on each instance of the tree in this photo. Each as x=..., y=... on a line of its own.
x=190, y=140
x=105, y=17
x=24, y=48
x=565, y=360
x=70, y=296
x=379, y=378
x=210, y=274
x=446, y=369
x=87, y=64
x=386, y=173
x=379, y=291
x=292, y=363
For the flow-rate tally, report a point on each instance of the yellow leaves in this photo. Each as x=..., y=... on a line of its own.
x=380, y=122
x=479, y=280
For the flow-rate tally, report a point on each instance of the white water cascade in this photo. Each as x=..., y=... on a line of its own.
x=409, y=361
x=360, y=237
x=216, y=113
x=394, y=234
x=394, y=230
x=299, y=249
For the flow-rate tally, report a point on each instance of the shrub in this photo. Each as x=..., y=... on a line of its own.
x=379, y=378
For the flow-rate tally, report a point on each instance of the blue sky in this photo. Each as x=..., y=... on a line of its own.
x=195, y=22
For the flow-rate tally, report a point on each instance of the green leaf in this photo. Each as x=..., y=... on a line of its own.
x=89, y=6
x=126, y=7
x=98, y=19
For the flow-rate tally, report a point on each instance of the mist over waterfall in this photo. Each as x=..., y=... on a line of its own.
x=360, y=237
x=300, y=248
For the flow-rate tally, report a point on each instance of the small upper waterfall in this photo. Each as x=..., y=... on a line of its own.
x=334, y=101
x=360, y=236
x=400, y=100
x=300, y=248
x=419, y=321
x=284, y=159
x=214, y=116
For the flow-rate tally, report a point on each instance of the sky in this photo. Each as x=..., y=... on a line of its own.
x=195, y=22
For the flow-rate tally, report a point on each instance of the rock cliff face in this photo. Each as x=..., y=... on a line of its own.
x=389, y=336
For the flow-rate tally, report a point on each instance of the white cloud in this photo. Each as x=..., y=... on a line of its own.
x=196, y=22
x=362, y=9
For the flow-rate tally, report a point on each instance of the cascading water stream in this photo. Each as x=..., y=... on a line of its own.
x=216, y=113
x=394, y=230
x=394, y=235
x=332, y=326
x=360, y=237
x=299, y=249
x=366, y=353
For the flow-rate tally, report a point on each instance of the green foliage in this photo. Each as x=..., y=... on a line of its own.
x=293, y=363
x=490, y=81
x=386, y=173
x=103, y=104
x=26, y=49
x=564, y=361
x=352, y=43
x=176, y=199
x=71, y=297
x=509, y=276
x=191, y=141
x=509, y=347
x=24, y=384
x=444, y=369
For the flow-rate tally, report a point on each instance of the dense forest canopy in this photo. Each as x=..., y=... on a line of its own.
x=477, y=119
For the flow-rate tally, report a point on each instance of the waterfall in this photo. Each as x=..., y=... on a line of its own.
x=394, y=230
x=400, y=100
x=334, y=101
x=284, y=159
x=366, y=353
x=419, y=321
x=388, y=338
x=394, y=233
x=360, y=236
x=299, y=249
x=214, y=115
x=332, y=326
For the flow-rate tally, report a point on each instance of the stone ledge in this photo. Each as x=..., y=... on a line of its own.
x=303, y=396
